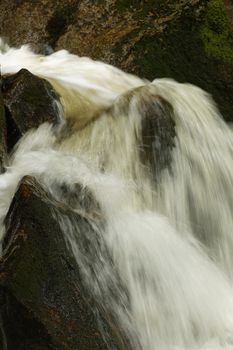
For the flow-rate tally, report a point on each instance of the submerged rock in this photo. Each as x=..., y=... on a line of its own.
x=156, y=133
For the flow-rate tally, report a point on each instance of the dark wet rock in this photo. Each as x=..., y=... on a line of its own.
x=39, y=273
x=157, y=132
x=29, y=101
x=2, y=134
x=20, y=329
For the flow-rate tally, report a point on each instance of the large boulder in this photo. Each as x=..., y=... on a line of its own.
x=42, y=281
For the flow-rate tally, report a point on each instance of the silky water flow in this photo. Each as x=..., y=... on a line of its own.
x=169, y=241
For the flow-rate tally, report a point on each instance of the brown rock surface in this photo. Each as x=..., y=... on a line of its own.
x=188, y=40
x=43, y=282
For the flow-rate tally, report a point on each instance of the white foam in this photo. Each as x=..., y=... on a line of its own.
x=174, y=268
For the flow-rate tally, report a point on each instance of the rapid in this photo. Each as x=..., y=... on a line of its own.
x=168, y=237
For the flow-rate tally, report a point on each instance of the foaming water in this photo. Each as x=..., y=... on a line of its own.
x=161, y=259
x=86, y=87
x=197, y=194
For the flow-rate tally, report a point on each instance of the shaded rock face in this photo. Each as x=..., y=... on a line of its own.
x=43, y=282
x=158, y=133
x=157, y=130
x=2, y=134
x=30, y=335
x=190, y=41
x=29, y=101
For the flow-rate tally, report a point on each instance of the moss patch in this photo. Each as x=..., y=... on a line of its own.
x=216, y=32
x=178, y=52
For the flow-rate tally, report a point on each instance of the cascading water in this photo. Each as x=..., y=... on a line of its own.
x=198, y=196
x=169, y=241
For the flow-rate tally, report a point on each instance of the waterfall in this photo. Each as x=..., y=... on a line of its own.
x=168, y=239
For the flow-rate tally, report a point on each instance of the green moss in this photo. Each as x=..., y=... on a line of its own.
x=179, y=53
x=216, y=32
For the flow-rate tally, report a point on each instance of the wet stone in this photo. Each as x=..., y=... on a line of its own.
x=29, y=101
x=2, y=135
x=158, y=133
x=38, y=270
x=156, y=138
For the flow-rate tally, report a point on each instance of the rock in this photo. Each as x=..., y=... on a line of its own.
x=2, y=134
x=190, y=41
x=36, y=22
x=20, y=329
x=29, y=102
x=188, y=50
x=39, y=273
x=157, y=132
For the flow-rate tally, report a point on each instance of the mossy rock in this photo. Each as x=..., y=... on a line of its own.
x=180, y=52
x=216, y=32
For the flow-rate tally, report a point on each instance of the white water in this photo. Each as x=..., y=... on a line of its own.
x=170, y=243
